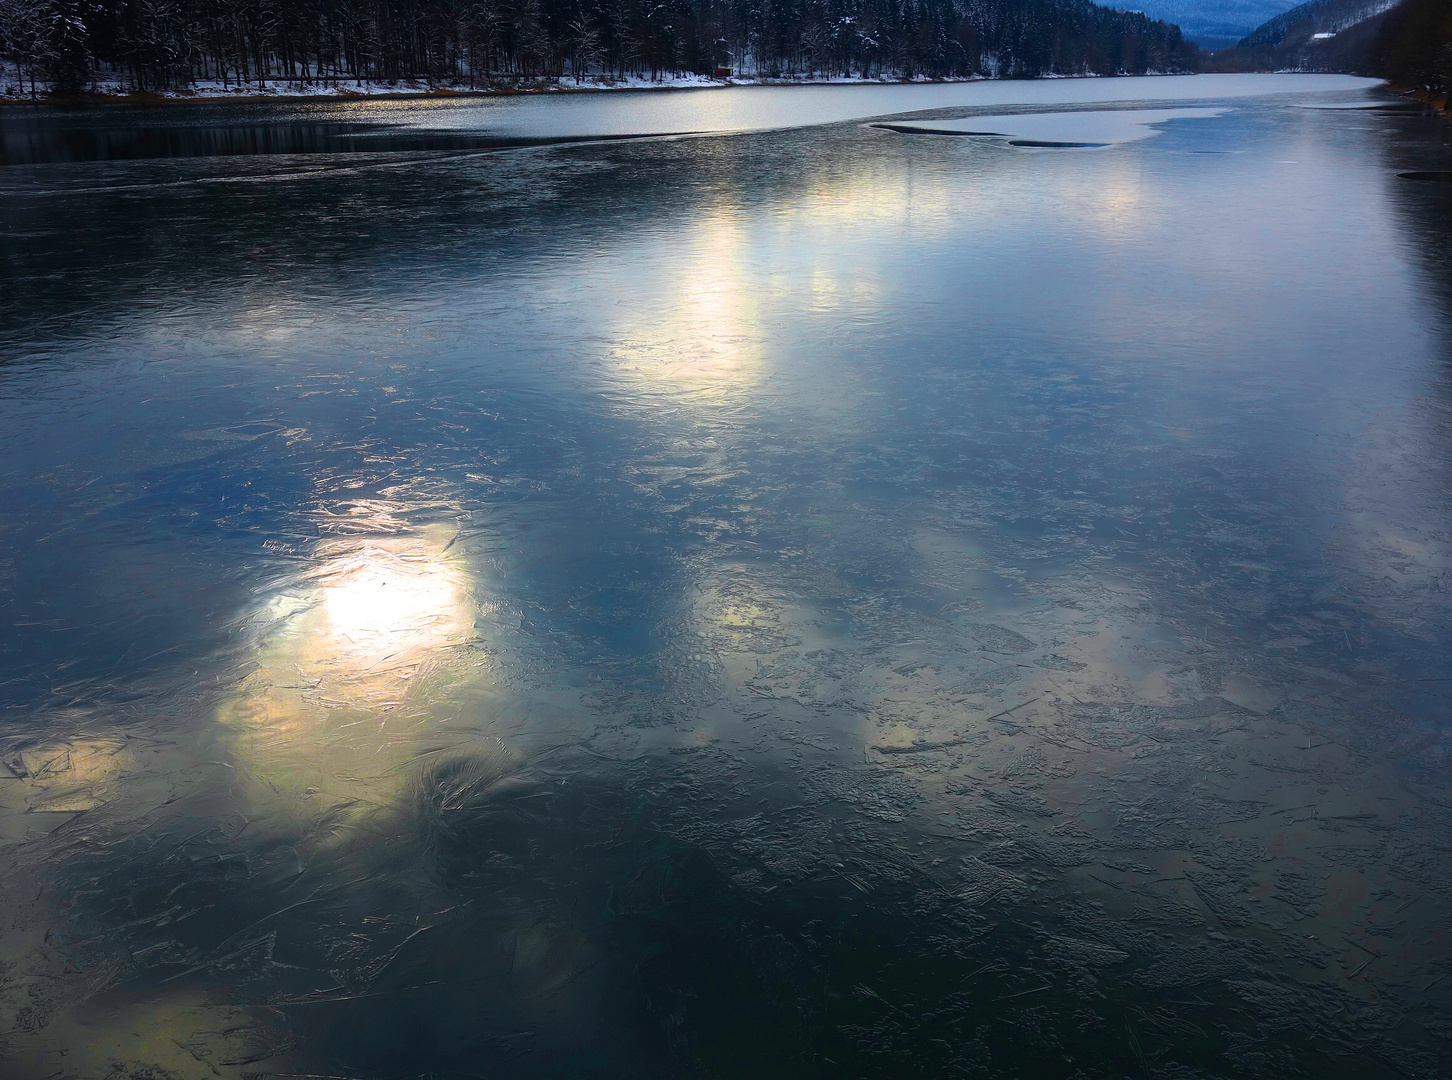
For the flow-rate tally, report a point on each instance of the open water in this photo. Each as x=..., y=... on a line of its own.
x=482, y=596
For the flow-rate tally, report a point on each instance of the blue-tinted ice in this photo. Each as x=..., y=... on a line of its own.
x=794, y=601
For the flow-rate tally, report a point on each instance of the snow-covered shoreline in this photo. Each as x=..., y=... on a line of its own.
x=118, y=92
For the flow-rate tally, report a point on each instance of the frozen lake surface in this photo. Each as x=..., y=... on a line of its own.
x=483, y=596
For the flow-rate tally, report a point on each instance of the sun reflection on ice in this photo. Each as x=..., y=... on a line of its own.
x=386, y=597
x=357, y=664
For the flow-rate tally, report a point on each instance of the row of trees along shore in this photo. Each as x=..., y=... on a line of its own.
x=72, y=46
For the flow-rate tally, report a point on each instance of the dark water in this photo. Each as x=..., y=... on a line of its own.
x=813, y=601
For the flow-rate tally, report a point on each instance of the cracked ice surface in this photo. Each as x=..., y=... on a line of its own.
x=804, y=603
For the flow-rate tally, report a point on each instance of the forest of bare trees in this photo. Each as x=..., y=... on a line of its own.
x=68, y=46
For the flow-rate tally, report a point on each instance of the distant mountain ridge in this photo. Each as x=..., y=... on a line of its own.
x=1215, y=23
x=1329, y=17
x=1318, y=35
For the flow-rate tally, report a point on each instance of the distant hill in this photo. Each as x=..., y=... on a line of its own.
x=1214, y=24
x=1324, y=19
x=1319, y=35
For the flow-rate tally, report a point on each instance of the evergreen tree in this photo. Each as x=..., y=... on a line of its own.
x=66, y=45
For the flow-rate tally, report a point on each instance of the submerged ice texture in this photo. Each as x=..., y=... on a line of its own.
x=805, y=603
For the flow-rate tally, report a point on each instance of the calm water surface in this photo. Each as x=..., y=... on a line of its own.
x=801, y=599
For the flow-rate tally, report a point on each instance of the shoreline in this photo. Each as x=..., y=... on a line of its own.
x=1442, y=106
x=296, y=94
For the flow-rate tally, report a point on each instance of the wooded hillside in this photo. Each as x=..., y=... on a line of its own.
x=1414, y=49
x=65, y=45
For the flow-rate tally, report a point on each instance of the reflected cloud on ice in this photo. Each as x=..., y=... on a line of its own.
x=698, y=336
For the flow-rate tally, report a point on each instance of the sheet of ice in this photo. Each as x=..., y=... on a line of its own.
x=1060, y=129
x=232, y=129
x=717, y=606
x=748, y=108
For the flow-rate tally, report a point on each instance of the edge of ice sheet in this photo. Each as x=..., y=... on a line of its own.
x=1083, y=129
